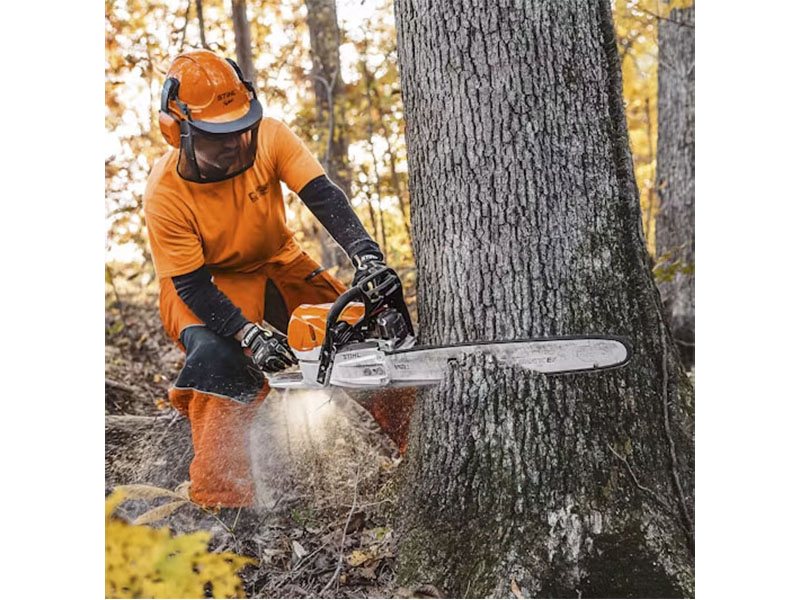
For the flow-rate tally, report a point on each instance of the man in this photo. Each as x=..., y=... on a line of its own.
x=226, y=260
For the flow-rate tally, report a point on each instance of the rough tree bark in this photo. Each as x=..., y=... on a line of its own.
x=244, y=45
x=526, y=222
x=675, y=174
x=323, y=29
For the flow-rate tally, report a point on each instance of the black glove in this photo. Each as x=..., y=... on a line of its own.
x=370, y=264
x=380, y=284
x=270, y=349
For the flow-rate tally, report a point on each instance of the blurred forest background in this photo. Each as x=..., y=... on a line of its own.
x=345, y=56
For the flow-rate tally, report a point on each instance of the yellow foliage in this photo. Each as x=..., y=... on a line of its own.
x=142, y=562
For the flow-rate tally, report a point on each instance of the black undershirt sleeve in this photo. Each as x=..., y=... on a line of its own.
x=207, y=301
x=328, y=203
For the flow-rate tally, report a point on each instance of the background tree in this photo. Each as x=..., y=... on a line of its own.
x=636, y=24
x=323, y=29
x=241, y=31
x=383, y=178
x=675, y=220
x=201, y=23
x=324, y=36
x=526, y=223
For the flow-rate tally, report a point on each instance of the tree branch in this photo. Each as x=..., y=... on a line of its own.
x=122, y=386
x=344, y=536
x=185, y=25
x=659, y=500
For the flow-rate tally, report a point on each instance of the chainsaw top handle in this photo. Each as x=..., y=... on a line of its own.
x=376, y=292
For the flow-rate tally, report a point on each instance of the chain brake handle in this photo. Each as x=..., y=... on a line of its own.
x=387, y=293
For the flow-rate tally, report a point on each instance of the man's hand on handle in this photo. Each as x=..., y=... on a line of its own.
x=369, y=264
x=269, y=349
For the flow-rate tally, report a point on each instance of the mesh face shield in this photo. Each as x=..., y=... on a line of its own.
x=211, y=152
x=209, y=157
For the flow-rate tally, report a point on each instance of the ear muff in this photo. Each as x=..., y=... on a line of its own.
x=170, y=126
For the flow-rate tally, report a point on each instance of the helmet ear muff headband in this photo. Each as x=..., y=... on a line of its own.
x=236, y=68
x=246, y=83
x=170, y=126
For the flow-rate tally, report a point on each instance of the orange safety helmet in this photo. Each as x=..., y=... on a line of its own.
x=211, y=114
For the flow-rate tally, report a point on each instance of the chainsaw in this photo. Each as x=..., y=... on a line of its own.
x=365, y=339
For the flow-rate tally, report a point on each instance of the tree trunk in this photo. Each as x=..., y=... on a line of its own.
x=201, y=24
x=241, y=32
x=323, y=29
x=675, y=175
x=547, y=486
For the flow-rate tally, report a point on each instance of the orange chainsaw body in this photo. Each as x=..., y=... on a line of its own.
x=307, y=324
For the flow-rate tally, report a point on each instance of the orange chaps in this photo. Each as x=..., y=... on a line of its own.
x=220, y=470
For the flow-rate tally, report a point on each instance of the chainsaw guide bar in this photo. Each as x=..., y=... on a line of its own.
x=371, y=365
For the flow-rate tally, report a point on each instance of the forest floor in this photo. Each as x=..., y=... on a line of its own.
x=326, y=531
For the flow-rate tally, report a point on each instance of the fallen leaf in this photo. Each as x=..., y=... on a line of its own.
x=357, y=558
x=367, y=572
x=515, y=588
x=137, y=491
x=183, y=489
x=269, y=553
x=298, y=549
x=158, y=513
